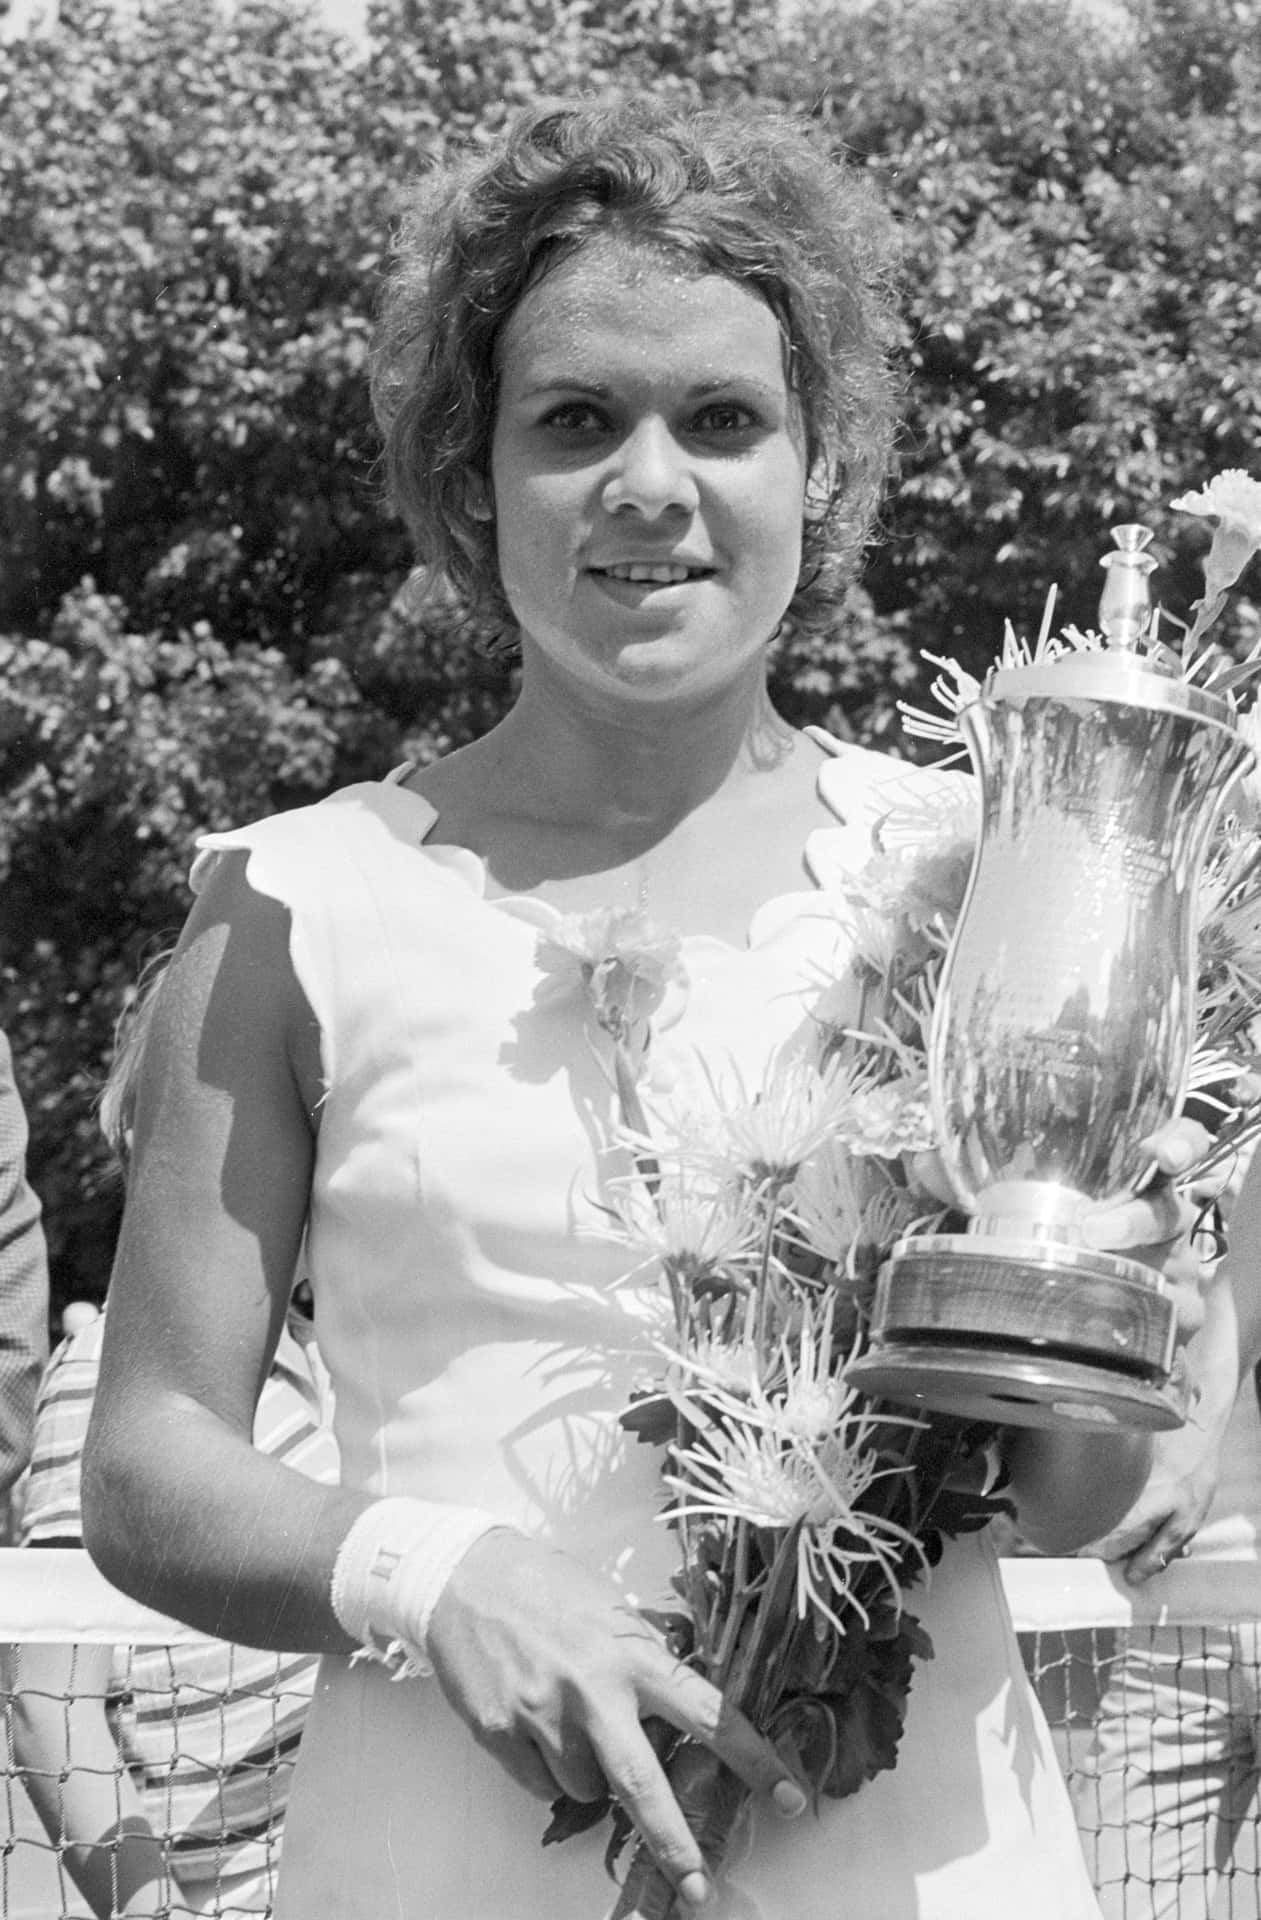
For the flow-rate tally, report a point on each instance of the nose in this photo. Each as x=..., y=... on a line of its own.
x=650, y=474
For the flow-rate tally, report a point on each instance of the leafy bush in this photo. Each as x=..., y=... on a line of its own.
x=202, y=599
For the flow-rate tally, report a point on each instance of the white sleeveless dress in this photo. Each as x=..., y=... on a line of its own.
x=480, y=1347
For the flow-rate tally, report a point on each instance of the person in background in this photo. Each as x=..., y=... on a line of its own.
x=23, y=1291
x=1174, y=1765
x=162, y=1772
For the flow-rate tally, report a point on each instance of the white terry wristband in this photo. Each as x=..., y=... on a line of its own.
x=390, y=1571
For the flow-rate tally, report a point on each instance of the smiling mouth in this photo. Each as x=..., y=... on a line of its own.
x=658, y=573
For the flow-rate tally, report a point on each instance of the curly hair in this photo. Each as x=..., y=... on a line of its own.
x=751, y=195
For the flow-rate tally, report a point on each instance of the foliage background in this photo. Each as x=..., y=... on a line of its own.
x=201, y=615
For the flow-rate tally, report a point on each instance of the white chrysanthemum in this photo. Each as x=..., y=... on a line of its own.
x=767, y=1135
x=793, y=1445
x=810, y=1398
x=894, y=1211
x=723, y=1367
x=953, y=689
x=749, y=1474
x=830, y=1196
x=686, y=1219
x=941, y=812
x=1229, y=932
x=874, y=924
x=799, y=1394
x=1233, y=938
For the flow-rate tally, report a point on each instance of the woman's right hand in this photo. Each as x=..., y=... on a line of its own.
x=554, y=1671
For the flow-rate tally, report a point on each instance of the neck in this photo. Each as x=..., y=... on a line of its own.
x=574, y=755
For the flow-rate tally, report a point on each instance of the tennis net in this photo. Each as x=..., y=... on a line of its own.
x=141, y=1761
x=200, y=1744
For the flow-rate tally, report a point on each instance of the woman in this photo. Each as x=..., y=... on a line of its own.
x=636, y=407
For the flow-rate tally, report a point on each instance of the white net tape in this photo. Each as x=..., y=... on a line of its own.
x=1153, y=1696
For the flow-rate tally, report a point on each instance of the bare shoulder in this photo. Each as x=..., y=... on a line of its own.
x=230, y=1001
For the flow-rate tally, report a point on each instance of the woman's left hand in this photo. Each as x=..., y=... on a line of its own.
x=1157, y=1225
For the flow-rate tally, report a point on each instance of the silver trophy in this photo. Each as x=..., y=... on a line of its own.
x=1062, y=1035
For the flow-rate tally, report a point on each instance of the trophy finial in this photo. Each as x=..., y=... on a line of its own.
x=1125, y=610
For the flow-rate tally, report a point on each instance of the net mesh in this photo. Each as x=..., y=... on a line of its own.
x=1153, y=1697
x=146, y=1769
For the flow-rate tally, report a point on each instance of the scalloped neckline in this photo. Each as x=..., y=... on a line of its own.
x=764, y=923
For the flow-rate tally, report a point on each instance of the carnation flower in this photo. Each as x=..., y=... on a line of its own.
x=901, y=900
x=625, y=963
x=1232, y=500
x=890, y=1118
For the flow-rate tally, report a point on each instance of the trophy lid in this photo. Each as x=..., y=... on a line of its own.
x=1117, y=667
x=1118, y=676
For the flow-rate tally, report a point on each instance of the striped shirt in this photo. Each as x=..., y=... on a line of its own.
x=23, y=1283
x=209, y=1732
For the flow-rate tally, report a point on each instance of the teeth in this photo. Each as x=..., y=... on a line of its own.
x=661, y=575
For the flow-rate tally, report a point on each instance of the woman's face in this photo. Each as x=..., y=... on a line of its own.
x=648, y=473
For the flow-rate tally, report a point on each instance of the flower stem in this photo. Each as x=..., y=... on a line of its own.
x=712, y=1799
x=633, y=1116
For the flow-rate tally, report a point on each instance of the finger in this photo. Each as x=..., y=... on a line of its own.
x=1117, y=1545
x=1181, y=1264
x=1154, y=1556
x=1153, y=1218
x=1178, y=1146
x=574, y=1767
x=690, y=1703
x=637, y=1781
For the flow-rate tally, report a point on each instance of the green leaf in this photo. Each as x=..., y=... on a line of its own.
x=652, y=1419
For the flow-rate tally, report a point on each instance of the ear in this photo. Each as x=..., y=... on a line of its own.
x=478, y=503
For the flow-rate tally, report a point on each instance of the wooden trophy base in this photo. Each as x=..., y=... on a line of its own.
x=1026, y=1333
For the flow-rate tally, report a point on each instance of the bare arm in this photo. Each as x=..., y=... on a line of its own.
x=1173, y=1504
x=179, y=1510
x=78, y=1785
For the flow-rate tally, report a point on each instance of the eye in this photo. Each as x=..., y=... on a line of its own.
x=725, y=420
x=574, y=420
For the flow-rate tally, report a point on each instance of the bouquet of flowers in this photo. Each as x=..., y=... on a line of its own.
x=806, y=1515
